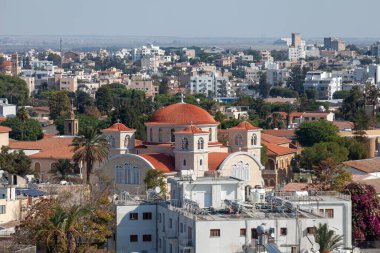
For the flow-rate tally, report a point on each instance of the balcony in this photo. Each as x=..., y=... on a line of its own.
x=269, y=172
x=186, y=242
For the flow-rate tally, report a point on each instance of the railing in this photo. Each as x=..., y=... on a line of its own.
x=269, y=172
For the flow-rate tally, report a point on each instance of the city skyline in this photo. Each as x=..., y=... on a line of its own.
x=248, y=19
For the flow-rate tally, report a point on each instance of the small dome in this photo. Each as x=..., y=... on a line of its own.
x=182, y=114
x=244, y=125
x=118, y=127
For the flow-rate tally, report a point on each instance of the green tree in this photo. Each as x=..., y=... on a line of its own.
x=327, y=239
x=89, y=149
x=264, y=154
x=313, y=156
x=297, y=78
x=341, y=94
x=310, y=133
x=104, y=100
x=353, y=103
x=264, y=86
x=275, y=121
x=357, y=147
x=14, y=89
x=59, y=104
x=283, y=92
x=64, y=167
x=24, y=130
x=15, y=162
x=155, y=179
x=55, y=58
x=83, y=100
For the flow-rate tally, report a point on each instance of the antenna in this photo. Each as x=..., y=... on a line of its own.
x=60, y=45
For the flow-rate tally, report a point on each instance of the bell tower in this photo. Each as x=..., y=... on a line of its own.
x=191, y=150
x=71, y=125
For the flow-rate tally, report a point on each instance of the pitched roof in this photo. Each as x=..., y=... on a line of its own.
x=288, y=133
x=244, y=125
x=274, y=139
x=366, y=165
x=118, y=127
x=49, y=148
x=274, y=149
x=192, y=129
x=162, y=162
x=342, y=125
x=292, y=187
x=4, y=129
x=215, y=159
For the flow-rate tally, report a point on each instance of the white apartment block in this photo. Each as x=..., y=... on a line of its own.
x=211, y=85
x=219, y=214
x=296, y=53
x=324, y=83
x=277, y=76
x=149, y=49
x=150, y=63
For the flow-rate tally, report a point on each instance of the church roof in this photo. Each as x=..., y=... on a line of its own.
x=276, y=150
x=244, y=125
x=215, y=159
x=118, y=127
x=192, y=129
x=182, y=114
x=4, y=129
x=162, y=162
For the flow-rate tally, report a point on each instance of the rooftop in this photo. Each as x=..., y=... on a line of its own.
x=366, y=165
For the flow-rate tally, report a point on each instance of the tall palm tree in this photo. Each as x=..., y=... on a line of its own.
x=89, y=149
x=71, y=228
x=55, y=233
x=326, y=239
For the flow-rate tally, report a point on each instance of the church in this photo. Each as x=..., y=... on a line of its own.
x=182, y=140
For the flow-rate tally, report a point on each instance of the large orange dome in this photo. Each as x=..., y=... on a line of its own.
x=182, y=114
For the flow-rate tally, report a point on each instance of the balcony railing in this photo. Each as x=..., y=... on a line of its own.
x=269, y=172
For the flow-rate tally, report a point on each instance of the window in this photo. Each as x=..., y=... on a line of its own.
x=294, y=249
x=133, y=216
x=170, y=222
x=126, y=140
x=172, y=137
x=214, y=232
x=200, y=162
x=329, y=213
x=159, y=217
x=53, y=167
x=321, y=212
x=159, y=243
x=243, y=232
x=311, y=230
x=181, y=227
x=283, y=231
x=238, y=140
x=159, y=135
x=210, y=134
x=2, y=209
x=184, y=162
x=201, y=143
x=254, y=234
x=37, y=168
x=185, y=143
x=127, y=174
x=147, y=238
x=133, y=238
x=147, y=216
x=254, y=140
x=150, y=134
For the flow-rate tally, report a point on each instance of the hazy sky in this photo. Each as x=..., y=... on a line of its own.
x=191, y=18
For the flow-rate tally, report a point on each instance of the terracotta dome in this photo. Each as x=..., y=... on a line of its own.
x=182, y=114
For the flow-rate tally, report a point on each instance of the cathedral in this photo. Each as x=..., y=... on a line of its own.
x=182, y=140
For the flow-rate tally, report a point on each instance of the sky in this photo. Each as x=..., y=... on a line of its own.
x=191, y=18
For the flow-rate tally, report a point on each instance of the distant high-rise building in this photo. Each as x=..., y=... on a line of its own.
x=296, y=39
x=334, y=44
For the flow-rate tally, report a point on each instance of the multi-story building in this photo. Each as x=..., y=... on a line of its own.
x=297, y=49
x=150, y=63
x=68, y=83
x=216, y=214
x=143, y=83
x=277, y=76
x=323, y=83
x=296, y=40
x=210, y=85
x=149, y=49
x=334, y=44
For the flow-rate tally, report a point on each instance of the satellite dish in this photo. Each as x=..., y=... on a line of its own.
x=316, y=246
x=157, y=189
x=356, y=250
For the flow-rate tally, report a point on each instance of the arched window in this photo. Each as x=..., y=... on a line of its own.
x=159, y=135
x=37, y=167
x=240, y=171
x=150, y=134
x=111, y=141
x=185, y=143
x=126, y=141
x=200, y=162
x=184, y=162
x=201, y=143
x=254, y=140
x=238, y=140
x=210, y=134
x=127, y=174
x=172, y=137
x=53, y=167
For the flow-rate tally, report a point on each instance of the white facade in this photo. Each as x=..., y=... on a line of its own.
x=323, y=83
x=147, y=50
x=296, y=53
x=276, y=76
x=7, y=110
x=210, y=85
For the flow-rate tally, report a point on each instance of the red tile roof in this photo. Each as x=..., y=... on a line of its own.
x=182, y=114
x=161, y=162
x=342, y=125
x=192, y=129
x=288, y=133
x=118, y=127
x=215, y=159
x=4, y=129
x=244, y=125
x=274, y=149
x=366, y=165
x=49, y=148
x=274, y=139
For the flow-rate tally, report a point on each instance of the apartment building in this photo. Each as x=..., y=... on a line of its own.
x=143, y=83
x=324, y=83
x=211, y=85
x=149, y=49
x=334, y=44
x=68, y=83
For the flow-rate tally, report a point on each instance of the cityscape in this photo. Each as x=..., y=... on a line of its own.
x=173, y=137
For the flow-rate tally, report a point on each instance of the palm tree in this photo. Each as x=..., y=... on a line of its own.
x=275, y=121
x=63, y=167
x=89, y=149
x=71, y=228
x=23, y=116
x=326, y=239
x=55, y=234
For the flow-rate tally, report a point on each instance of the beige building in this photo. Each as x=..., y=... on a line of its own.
x=30, y=82
x=68, y=83
x=143, y=84
x=182, y=139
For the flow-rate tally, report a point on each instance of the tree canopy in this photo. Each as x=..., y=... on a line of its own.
x=310, y=133
x=27, y=130
x=15, y=162
x=14, y=89
x=59, y=104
